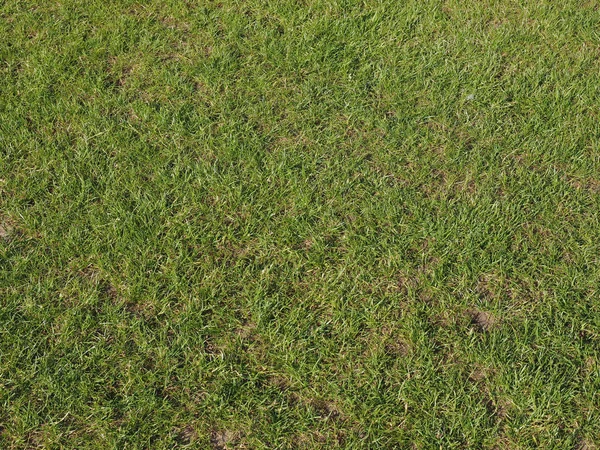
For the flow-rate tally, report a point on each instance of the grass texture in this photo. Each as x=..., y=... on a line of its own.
x=299, y=224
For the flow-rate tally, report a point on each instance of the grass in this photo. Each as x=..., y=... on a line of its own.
x=299, y=224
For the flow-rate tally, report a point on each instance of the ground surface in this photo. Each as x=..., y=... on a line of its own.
x=299, y=224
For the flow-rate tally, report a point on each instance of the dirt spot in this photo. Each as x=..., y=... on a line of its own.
x=466, y=185
x=186, y=435
x=589, y=366
x=247, y=331
x=505, y=443
x=503, y=407
x=108, y=290
x=7, y=226
x=280, y=383
x=482, y=321
x=479, y=374
x=5, y=231
x=426, y=296
x=398, y=348
x=211, y=349
x=407, y=283
x=326, y=410
x=132, y=116
x=519, y=159
x=302, y=441
x=286, y=389
x=496, y=23
x=119, y=72
x=388, y=340
x=592, y=185
x=141, y=310
x=293, y=141
x=200, y=87
x=465, y=138
x=224, y=439
x=122, y=80
x=576, y=183
x=588, y=336
x=307, y=244
x=340, y=438
x=586, y=444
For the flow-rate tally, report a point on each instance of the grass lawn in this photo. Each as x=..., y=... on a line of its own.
x=299, y=224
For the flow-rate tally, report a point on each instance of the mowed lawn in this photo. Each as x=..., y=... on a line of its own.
x=305, y=224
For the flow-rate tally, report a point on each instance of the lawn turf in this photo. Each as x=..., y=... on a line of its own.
x=299, y=224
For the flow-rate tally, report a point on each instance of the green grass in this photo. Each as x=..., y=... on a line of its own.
x=299, y=224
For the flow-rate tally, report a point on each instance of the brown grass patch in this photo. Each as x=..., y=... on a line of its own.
x=280, y=382
x=5, y=231
x=119, y=72
x=482, y=321
x=589, y=366
x=224, y=439
x=187, y=435
x=586, y=444
x=480, y=373
x=212, y=349
x=588, y=184
x=8, y=227
x=407, y=282
x=497, y=408
x=326, y=410
x=398, y=348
